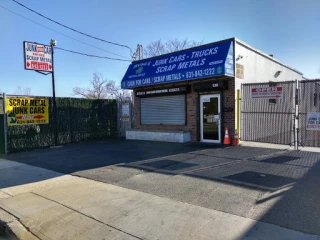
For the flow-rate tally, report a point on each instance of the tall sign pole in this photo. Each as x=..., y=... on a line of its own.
x=5, y=127
x=38, y=57
x=52, y=44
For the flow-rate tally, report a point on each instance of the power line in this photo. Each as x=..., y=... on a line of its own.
x=62, y=33
x=90, y=55
x=117, y=44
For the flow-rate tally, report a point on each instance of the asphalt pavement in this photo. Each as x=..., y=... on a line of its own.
x=70, y=207
x=275, y=186
x=95, y=154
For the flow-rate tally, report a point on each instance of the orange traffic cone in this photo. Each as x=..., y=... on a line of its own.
x=226, y=140
x=236, y=139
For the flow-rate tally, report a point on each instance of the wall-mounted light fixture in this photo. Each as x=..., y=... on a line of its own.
x=277, y=73
x=239, y=57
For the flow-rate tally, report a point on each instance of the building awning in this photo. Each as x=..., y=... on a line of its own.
x=215, y=59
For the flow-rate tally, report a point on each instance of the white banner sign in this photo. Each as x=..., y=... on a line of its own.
x=125, y=110
x=37, y=57
x=313, y=121
x=267, y=93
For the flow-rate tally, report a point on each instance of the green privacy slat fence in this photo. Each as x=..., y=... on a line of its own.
x=77, y=120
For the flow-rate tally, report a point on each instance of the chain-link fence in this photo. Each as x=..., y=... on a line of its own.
x=268, y=120
x=125, y=116
x=309, y=103
x=77, y=120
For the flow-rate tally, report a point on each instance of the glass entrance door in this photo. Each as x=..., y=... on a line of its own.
x=210, y=118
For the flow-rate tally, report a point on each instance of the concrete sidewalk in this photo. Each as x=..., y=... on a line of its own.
x=68, y=207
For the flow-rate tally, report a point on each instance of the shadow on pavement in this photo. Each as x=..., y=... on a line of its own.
x=298, y=207
x=287, y=183
x=91, y=155
x=270, y=185
x=86, y=156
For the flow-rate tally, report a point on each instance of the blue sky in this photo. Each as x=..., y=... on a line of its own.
x=289, y=29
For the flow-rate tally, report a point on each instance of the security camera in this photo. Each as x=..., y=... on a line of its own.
x=53, y=42
x=239, y=57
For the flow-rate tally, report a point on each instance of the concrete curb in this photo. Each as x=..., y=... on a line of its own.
x=11, y=228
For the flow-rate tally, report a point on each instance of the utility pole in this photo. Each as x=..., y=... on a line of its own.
x=141, y=51
x=52, y=44
x=5, y=126
x=138, y=55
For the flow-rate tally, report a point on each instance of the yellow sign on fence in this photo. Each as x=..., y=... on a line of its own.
x=21, y=111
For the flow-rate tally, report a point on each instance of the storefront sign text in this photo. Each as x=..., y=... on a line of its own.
x=21, y=111
x=211, y=86
x=161, y=91
x=207, y=61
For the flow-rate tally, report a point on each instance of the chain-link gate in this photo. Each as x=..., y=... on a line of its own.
x=268, y=120
x=275, y=120
x=309, y=105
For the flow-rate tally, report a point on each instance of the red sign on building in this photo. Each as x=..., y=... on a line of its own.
x=267, y=93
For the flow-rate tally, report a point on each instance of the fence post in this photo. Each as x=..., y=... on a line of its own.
x=296, y=117
x=118, y=101
x=238, y=112
x=5, y=127
x=70, y=122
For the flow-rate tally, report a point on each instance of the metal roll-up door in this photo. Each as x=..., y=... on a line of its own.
x=168, y=110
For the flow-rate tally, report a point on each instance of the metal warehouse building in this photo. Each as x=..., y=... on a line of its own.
x=194, y=94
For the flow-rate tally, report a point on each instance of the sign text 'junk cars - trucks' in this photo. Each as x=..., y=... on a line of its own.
x=37, y=57
x=201, y=62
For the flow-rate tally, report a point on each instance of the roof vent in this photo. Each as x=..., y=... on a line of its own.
x=271, y=55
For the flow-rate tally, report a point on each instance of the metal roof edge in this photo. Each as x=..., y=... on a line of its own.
x=265, y=55
x=187, y=49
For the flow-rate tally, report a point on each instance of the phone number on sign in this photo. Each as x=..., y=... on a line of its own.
x=201, y=73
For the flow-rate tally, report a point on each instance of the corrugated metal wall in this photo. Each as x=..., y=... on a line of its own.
x=167, y=110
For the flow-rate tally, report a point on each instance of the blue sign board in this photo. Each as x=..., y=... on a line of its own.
x=207, y=61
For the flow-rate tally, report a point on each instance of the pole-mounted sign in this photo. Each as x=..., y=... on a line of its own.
x=37, y=57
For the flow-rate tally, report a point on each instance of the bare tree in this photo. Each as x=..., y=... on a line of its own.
x=159, y=47
x=97, y=89
x=116, y=91
x=101, y=88
x=22, y=91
